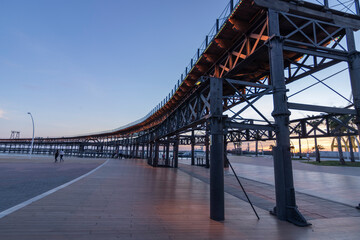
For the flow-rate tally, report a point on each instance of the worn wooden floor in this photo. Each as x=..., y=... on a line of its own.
x=127, y=199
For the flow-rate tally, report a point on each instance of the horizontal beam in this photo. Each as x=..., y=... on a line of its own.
x=230, y=124
x=249, y=84
x=331, y=15
x=315, y=108
x=328, y=54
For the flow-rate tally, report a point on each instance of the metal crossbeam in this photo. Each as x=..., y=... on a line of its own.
x=314, y=108
x=243, y=126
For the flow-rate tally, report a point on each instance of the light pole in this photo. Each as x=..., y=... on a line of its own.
x=262, y=148
x=32, y=141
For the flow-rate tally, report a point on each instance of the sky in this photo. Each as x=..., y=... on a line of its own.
x=86, y=66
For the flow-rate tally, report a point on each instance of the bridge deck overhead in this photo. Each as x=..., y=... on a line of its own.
x=239, y=49
x=256, y=48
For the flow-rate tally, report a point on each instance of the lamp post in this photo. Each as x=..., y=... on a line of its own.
x=32, y=141
x=262, y=148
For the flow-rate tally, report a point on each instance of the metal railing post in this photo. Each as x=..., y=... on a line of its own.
x=357, y=7
x=326, y=3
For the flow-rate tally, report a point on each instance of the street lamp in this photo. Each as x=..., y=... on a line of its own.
x=262, y=148
x=32, y=142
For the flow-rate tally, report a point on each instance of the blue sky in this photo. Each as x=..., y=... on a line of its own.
x=85, y=66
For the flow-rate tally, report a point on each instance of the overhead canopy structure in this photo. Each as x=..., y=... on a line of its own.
x=256, y=48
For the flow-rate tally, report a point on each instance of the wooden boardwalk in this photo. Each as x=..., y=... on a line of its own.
x=127, y=199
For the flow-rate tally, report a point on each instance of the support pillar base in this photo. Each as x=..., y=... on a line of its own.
x=293, y=216
x=218, y=219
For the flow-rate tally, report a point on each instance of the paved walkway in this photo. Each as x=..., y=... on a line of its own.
x=127, y=199
x=22, y=178
x=339, y=184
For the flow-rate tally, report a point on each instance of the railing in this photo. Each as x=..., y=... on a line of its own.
x=219, y=23
x=347, y=6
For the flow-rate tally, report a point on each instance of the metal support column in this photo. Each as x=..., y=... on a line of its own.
x=117, y=150
x=151, y=153
x=207, y=150
x=354, y=72
x=226, y=163
x=132, y=150
x=351, y=149
x=192, y=148
x=256, y=147
x=217, y=208
x=300, y=156
x=156, y=156
x=81, y=150
x=317, y=152
x=148, y=146
x=167, y=154
x=143, y=151
x=176, y=152
x=286, y=208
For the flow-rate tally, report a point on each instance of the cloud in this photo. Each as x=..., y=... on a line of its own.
x=2, y=114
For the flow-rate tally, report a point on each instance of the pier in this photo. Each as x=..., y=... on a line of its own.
x=256, y=49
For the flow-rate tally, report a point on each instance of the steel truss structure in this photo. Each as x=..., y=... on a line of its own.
x=261, y=47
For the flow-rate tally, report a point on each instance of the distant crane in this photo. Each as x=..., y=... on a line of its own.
x=15, y=135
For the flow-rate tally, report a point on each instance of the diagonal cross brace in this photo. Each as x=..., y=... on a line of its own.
x=250, y=103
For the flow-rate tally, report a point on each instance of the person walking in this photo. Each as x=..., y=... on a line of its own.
x=56, y=155
x=61, y=155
